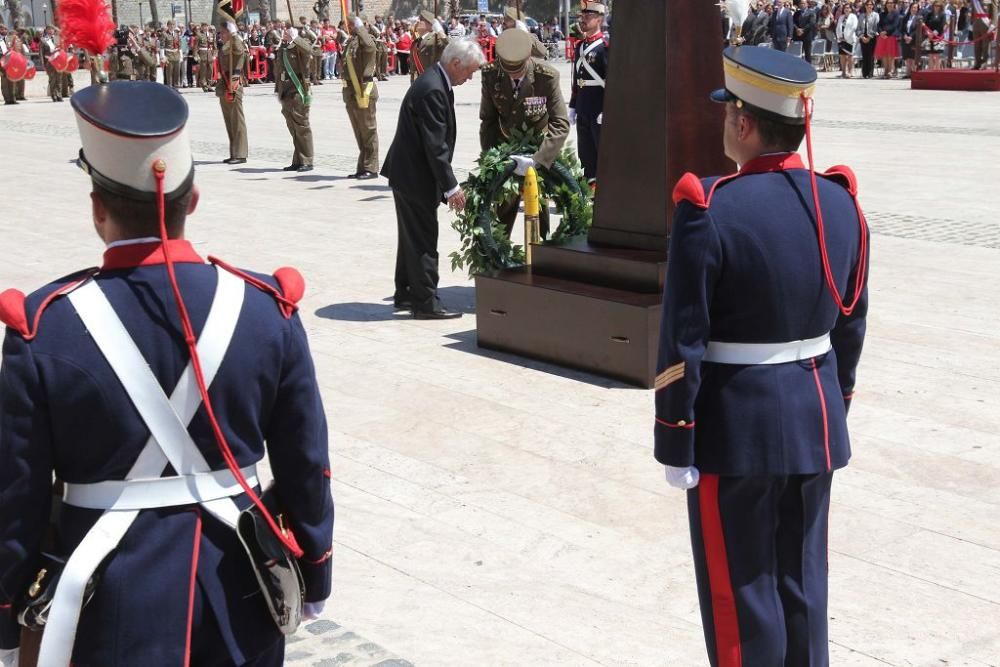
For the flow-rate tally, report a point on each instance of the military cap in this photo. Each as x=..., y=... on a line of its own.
x=771, y=83
x=513, y=49
x=427, y=16
x=596, y=7
x=364, y=17
x=123, y=143
x=513, y=14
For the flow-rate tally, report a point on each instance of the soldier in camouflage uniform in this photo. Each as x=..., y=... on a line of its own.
x=520, y=91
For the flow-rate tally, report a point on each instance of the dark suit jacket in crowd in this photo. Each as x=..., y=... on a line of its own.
x=419, y=161
x=805, y=19
x=781, y=27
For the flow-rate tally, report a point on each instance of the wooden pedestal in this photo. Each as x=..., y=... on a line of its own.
x=594, y=303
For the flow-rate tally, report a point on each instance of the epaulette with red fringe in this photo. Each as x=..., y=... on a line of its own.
x=843, y=175
x=291, y=283
x=14, y=308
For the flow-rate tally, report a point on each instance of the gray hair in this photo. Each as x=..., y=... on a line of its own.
x=466, y=51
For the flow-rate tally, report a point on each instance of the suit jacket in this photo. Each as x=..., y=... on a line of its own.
x=805, y=20
x=418, y=164
x=64, y=411
x=782, y=25
x=744, y=274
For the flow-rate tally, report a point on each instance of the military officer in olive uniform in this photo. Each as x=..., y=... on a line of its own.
x=18, y=41
x=170, y=43
x=49, y=47
x=427, y=49
x=311, y=36
x=229, y=88
x=203, y=41
x=293, y=61
x=514, y=20
x=381, y=50
x=8, y=43
x=519, y=90
x=360, y=95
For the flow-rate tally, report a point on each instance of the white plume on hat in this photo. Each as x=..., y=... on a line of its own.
x=293, y=32
x=438, y=28
x=738, y=10
x=231, y=27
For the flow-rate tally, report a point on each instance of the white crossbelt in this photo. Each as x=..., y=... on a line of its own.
x=169, y=442
x=138, y=494
x=756, y=354
x=582, y=63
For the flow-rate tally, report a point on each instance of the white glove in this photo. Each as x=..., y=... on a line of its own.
x=523, y=164
x=8, y=656
x=572, y=116
x=682, y=478
x=600, y=118
x=311, y=610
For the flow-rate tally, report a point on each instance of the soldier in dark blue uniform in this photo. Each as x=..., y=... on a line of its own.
x=586, y=102
x=99, y=387
x=763, y=323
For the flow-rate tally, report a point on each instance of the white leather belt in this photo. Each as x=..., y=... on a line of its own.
x=138, y=494
x=754, y=354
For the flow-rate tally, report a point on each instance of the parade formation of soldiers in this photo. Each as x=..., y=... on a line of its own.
x=227, y=58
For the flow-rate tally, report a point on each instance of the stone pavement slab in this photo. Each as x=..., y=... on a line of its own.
x=497, y=510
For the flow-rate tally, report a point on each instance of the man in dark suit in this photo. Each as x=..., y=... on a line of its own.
x=782, y=25
x=805, y=29
x=418, y=167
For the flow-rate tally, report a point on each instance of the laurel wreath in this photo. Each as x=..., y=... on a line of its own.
x=485, y=247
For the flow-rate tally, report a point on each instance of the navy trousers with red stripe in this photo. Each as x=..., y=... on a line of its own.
x=760, y=554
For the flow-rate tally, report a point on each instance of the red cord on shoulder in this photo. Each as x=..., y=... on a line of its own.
x=287, y=303
x=14, y=312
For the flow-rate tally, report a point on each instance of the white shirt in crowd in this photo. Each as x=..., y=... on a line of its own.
x=847, y=28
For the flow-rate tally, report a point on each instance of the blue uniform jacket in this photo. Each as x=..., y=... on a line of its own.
x=589, y=100
x=744, y=266
x=63, y=411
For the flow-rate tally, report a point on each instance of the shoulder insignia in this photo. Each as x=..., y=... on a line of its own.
x=844, y=176
x=13, y=311
x=690, y=189
x=291, y=283
x=489, y=67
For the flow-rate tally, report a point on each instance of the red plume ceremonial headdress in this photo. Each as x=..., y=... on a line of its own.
x=86, y=24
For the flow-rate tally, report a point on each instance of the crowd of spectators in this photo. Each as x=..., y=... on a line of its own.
x=889, y=32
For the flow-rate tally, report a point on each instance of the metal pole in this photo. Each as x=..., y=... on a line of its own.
x=142, y=21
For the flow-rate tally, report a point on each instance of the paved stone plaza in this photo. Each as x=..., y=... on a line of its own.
x=494, y=510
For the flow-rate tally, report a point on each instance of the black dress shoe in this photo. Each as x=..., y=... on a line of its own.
x=236, y=160
x=441, y=314
x=305, y=167
x=402, y=304
x=354, y=175
x=366, y=176
x=291, y=167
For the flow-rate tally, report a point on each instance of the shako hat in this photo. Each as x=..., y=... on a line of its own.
x=772, y=83
x=513, y=49
x=129, y=131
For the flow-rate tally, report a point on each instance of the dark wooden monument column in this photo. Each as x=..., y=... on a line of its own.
x=594, y=303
